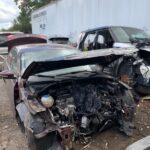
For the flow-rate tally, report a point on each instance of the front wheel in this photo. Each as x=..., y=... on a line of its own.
x=128, y=111
x=49, y=142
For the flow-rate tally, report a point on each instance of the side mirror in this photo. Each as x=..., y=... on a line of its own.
x=101, y=39
x=7, y=75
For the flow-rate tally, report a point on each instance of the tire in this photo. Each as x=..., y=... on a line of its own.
x=129, y=101
x=49, y=142
x=127, y=118
x=125, y=71
x=20, y=123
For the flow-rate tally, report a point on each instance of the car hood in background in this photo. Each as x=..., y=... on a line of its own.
x=102, y=57
x=14, y=40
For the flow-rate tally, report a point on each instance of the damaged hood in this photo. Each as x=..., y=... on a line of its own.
x=103, y=57
x=145, y=48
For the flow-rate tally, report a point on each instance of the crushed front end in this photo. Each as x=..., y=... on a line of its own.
x=79, y=108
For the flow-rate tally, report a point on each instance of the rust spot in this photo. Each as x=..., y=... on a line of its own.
x=125, y=79
x=66, y=135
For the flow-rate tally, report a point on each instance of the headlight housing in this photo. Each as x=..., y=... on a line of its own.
x=47, y=101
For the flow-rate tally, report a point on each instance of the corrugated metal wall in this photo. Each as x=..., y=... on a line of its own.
x=70, y=17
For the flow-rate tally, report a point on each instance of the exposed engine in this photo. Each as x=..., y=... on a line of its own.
x=88, y=108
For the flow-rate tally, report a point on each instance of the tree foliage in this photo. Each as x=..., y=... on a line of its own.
x=23, y=21
x=32, y=4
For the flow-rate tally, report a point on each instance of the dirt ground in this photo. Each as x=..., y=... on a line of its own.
x=11, y=137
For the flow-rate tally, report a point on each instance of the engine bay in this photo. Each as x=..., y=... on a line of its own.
x=90, y=106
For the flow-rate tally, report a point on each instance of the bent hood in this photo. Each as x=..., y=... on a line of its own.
x=102, y=57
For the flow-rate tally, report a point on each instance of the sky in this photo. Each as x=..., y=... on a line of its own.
x=8, y=12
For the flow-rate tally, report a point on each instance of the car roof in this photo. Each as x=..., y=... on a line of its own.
x=12, y=37
x=43, y=46
x=95, y=29
x=14, y=40
x=106, y=27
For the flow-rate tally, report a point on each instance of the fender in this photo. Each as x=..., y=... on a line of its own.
x=116, y=66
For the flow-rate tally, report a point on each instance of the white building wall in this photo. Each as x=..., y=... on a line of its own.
x=70, y=17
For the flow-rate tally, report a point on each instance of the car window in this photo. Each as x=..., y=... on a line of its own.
x=12, y=60
x=3, y=40
x=120, y=35
x=80, y=38
x=125, y=34
x=108, y=40
x=88, y=43
x=136, y=33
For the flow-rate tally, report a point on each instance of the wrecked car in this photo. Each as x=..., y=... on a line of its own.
x=59, y=94
x=111, y=36
x=134, y=69
x=8, y=40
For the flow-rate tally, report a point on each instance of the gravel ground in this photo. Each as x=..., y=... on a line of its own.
x=11, y=137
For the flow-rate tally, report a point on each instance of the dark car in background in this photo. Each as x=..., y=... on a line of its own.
x=133, y=69
x=111, y=36
x=60, y=95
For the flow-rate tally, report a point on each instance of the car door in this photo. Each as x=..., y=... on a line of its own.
x=11, y=64
x=107, y=39
x=88, y=41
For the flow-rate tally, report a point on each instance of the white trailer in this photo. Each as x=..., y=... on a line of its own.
x=68, y=18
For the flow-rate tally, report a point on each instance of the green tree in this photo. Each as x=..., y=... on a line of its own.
x=23, y=21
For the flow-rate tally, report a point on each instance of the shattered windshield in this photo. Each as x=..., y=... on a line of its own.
x=125, y=34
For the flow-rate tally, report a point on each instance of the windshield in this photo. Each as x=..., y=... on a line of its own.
x=125, y=34
x=40, y=55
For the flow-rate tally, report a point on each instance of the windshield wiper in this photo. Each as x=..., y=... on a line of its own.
x=55, y=78
x=74, y=72
x=44, y=76
x=78, y=74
